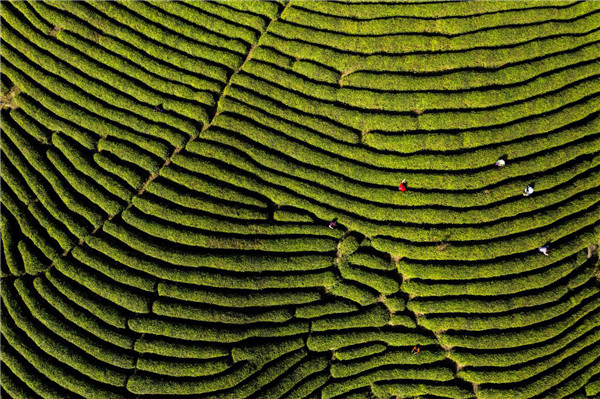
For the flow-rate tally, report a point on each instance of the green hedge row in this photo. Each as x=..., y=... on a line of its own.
x=525, y=263
x=575, y=384
x=309, y=388
x=578, y=21
x=396, y=358
x=182, y=330
x=30, y=228
x=350, y=97
x=65, y=109
x=285, y=215
x=191, y=311
x=347, y=245
x=129, y=153
x=167, y=34
x=127, y=172
x=199, y=201
x=312, y=129
x=355, y=292
x=430, y=374
x=12, y=177
x=492, y=249
x=320, y=342
x=84, y=186
x=293, y=278
x=201, y=183
x=592, y=388
x=100, y=308
x=191, y=236
x=94, y=16
x=303, y=380
x=358, y=352
x=119, y=273
x=518, y=319
x=123, y=296
x=81, y=316
x=84, y=165
x=179, y=368
x=264, y=352
x=564, y=115
x=268, y=10
x=54, y=229
x=549, y=380
x=486, y=304
x=56, y=351
x=131, y=55
x=14, y=386
x=466, y=79
x=45, y=313
x=430, y=61
x=178, y=349
x=384, y=284
x=384, y=196
x=517, y=356
x=320, y=165
x=187, y=218
x=428, y=121
x=33, y=18
x=369, y=11
x=325, y=308
x=150, y=384
x=525, y=372
x=12, y=264
x=340, y=141
x=79, y=70
x=402, y=320
x=525, y=336
x=32, y=262
x=99, y=106
x=376, y=316
x=401, y=22
x=36, y=111
x=13, y=362
x=264, y=378
x=191, y=102
x=222, y=21
x=32, y=163
x=395, y=303
x=31, y=126
x=507, y=286
x=203, y=40
x=370, y=261
x=239, y=299
x=231, y=262
x=387, y=390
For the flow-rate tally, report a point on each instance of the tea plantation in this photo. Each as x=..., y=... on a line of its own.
x=201, y=199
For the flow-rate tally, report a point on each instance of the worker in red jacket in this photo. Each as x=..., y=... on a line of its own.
x=402, y=187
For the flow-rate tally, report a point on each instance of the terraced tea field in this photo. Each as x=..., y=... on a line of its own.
x=171, y=170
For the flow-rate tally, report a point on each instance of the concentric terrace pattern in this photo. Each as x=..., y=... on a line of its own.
x=170, y=171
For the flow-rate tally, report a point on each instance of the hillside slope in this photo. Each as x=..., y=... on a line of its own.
x=170, y=171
